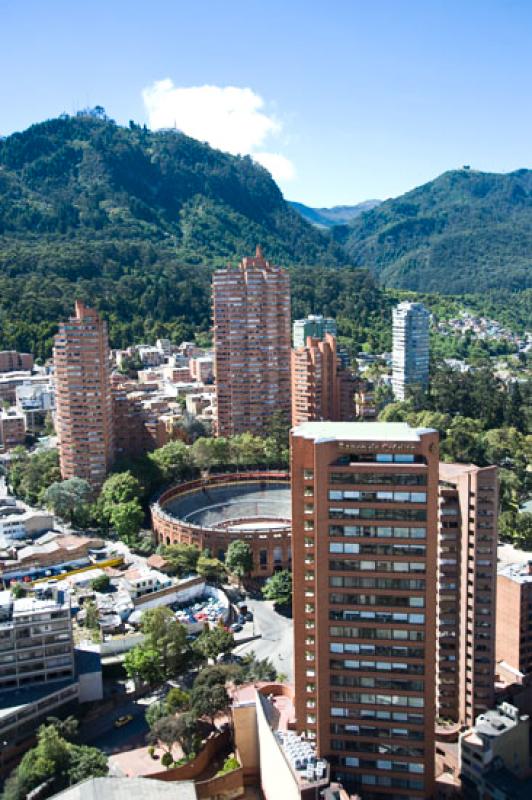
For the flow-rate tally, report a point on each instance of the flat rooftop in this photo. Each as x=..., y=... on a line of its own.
x=360, y=432
x=519, y=573
x=125, y=788
x=14, y=700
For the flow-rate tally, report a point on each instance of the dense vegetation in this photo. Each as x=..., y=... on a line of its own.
x=465, y=231
x=481, y=421
x=133, y=222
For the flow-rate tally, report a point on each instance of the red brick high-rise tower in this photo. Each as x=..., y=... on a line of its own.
x=251, y=307
x=364, y=559
x=83, y=397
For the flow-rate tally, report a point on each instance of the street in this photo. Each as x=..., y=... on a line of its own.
x=276, y=642
x=101, y=732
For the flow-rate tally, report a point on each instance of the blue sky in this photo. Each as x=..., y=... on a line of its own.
x=343, y=100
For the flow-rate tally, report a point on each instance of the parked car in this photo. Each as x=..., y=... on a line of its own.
x=125, y=720
x=236, y=627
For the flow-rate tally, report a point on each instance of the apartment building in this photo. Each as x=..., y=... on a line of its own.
x=514, y=622
x=84, y=420
x=410, y=355
x=321, y=387
x=12, y=428
x=12, y=361
x=364, y=553
x=467, y=564
x=251, y=308
x=315, y=325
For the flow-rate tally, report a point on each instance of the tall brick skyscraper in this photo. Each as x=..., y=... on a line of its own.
x=467, y=567
x=321, y=387
x=364, y=556
x=83, y=397
x=251, y=307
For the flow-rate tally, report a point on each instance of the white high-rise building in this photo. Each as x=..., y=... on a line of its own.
x=410, y=349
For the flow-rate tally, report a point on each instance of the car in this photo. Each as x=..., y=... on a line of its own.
x=236, y=627
x=249, y=616
x=125, y=720
x=241, y=619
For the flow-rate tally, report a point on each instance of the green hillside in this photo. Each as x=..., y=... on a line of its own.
x=132, y=221
x=465, y=231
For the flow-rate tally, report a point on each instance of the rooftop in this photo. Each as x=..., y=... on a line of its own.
x=360, y=431
x=520, y=573
x=125, y=788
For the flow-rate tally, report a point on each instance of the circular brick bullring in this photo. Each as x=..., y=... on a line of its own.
x=212, y=512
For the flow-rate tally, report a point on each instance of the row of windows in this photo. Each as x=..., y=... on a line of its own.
x=378, y=748
x=383, y=478
x=341, y=598
x=379, y=531
x=350, y=565
x=385, y=666
x=346, y=632
x=379, y=458
x=378, y=497
x=366, y=699
x=377, y=683
x=352, y=729
x=342, y=582
x=355, y=548
x=396, y=651
x=346, y=615
x=375, y=780
x=399, y=514
x=407, y=717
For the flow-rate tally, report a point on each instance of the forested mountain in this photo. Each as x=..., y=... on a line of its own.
x=465, y=231
x=337, y=215
x=133, y=222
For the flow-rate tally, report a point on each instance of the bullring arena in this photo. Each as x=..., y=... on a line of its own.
x=214, y=511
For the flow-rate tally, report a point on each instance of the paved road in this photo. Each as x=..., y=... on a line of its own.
x=101, y=732
x=276, y=642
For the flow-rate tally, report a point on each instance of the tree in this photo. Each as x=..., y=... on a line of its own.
x=126, y=518
x=256, y=669
x=91, y=615
x=174, y=460
x=182, y=558
x=67, y=728
x=55, y=762
x=239, y=559
x=86, y=762
x=216, y=675
x=211, y=569
x=121, y=487
x=167, y=637
x=69, y=499
x=187, y=733
x=279, y=588
x=516, y=527
x=169, y=730
x=17, y=590
x=30, y=476
x=209, y=701
x=176, y=700
x=143, y=665
x=204, y=453
x=155, y=712
x=213, y=642
x=101, y=583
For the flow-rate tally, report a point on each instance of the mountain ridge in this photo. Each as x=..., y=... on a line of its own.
x=336, y=215
x=463, y=231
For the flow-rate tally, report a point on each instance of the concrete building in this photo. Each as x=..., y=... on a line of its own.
x=365, y=402
x=499, y=738
x=410, y=357
x=467, y=564
x=12, y=428
x=19, y=522
x=251, y=307
x=364, y=554
x=84, y=419
x=12, y=361
x=37, y=671
x=514, y=622
x=315, y=325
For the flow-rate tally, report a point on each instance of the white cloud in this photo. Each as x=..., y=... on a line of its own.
x=229, y=118
x=280, y=166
